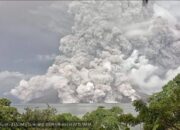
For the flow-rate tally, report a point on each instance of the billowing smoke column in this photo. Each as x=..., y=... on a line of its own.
x=116, y=50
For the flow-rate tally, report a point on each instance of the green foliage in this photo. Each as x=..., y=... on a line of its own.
x=8, y=114
x=163, y=108
x=128, y=119
x=39, y=115
x=5, y=102
x=66, y=117
x=105, y=119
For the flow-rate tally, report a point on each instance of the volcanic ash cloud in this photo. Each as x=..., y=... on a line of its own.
x=116, y=50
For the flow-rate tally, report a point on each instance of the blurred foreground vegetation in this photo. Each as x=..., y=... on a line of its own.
x=160, y=112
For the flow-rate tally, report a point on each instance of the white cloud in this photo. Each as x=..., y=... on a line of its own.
x=46, y=57
x=7, y=74
x=8, y=80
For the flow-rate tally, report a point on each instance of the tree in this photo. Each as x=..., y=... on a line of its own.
x=162, y=111
x=66, y=117
x=5, y=102
x=105, y=119
x=8, y=114
x=39, y=115
x=128, y=120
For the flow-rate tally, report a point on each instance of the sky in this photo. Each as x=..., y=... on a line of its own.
x=28, y=43
x=29, y=38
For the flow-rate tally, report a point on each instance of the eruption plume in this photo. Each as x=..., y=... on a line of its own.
x=116, y=50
